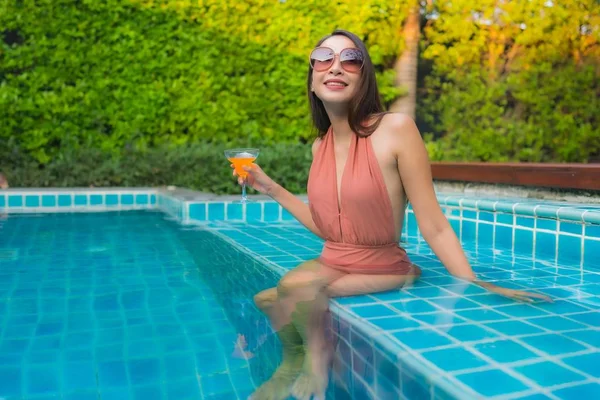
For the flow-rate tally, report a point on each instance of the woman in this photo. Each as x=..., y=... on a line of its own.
x=366, y=165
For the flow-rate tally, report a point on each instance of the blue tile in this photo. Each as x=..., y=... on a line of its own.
x=481, y=315
x=198, y=211
x=207, y=362
x=141, y=199
x=591, y=337
x=569, y=249
x=271, y=212
x=555, y=323
x=15, y=201
x=486, y=216
x=504, y=237
x=64, y=200
x=10, y=384
x=440, y=318
x=80, y=375
x=373, y=311
x=523, y=241
x=571, y=227
x=492, y=383
x=152, y=199
x=112, y=374
x=513, y=328
x=469, y=333
x=504, y=351
x=526, y=222
x=148, y=392
x=592, y=231
x=521, y=310
x=42, y=380
x=454, y=359
x=588, y=363
x=413, y=306
x=570, y=214
x=112, y=200
x=216, y=383
x=286, y=216
x=182, y=389
x=590, y=391
x=549, y=374
x=590, y=318
x=126, y=199
x=235, y=212
x=421, y=339
x=546, y=224
x=545, y=244
x=592, y=217
x=411, y=224
x=48, y=201
x=485, y=234
x=553, y=344
x=412, y=387
x=95, y=199
x=2, y=200
x=592, y=253
x=80, y=200
x=468, y=230
x=32, y=201
x=91, y=394
x=469, y=214
x=394, y=323
x=507, y=219
x=216, y=211
x=527, y=209
x=546, y=211
x=253, y=212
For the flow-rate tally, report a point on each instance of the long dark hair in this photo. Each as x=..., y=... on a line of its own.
x=364, y=105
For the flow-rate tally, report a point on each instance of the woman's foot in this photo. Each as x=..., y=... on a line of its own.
x=312, y=382
x=278, y=387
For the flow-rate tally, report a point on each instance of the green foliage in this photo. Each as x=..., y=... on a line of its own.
x=138, y=73
x=198, y=166
x=515, y=81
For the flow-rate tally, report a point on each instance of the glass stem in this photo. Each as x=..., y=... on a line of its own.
x=244, y=197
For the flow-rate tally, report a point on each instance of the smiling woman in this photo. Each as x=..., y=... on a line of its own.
x=366, y=165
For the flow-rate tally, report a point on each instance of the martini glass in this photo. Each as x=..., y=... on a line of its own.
x=239, y=158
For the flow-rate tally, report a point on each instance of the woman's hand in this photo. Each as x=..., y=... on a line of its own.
x=518, y=295
x=256, y=179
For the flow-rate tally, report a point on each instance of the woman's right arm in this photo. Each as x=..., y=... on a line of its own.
x=293, y=204
x=261, y=182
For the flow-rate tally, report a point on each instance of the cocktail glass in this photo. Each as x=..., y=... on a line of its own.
x=239, y=158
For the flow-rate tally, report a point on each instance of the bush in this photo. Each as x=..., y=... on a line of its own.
x=201, y=166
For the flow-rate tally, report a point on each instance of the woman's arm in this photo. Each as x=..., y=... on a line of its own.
x=415, y=173
x=300, y=210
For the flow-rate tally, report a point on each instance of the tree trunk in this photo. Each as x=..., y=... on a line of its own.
x=406, y=65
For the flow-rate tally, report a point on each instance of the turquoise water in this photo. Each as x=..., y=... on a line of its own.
x=126, y=306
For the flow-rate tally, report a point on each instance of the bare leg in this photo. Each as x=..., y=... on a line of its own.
x=300, y=284
x=310, y=322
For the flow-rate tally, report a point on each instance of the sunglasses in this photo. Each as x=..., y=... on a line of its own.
x=351, y=60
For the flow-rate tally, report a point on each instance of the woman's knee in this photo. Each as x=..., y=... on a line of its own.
x=265, y=298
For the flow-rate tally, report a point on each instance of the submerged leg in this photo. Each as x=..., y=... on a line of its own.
x=311, y=322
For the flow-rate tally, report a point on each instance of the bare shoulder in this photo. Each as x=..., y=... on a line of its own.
x=399, y=131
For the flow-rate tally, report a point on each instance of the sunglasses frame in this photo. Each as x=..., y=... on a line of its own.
x=338, y=56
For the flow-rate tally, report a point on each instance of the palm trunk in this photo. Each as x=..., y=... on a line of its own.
x=406, y=65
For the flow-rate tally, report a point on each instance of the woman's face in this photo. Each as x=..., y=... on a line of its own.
x=336, y=85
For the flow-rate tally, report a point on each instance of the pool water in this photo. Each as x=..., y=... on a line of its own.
x=127, y=305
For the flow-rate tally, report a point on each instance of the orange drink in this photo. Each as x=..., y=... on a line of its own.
x=239, y=163
x=240, y=158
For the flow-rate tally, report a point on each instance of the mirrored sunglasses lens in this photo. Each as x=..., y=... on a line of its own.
x=321, y=58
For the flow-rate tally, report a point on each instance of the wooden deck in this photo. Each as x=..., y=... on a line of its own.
x=559, y=176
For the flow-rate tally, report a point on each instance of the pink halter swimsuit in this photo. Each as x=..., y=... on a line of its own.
x=360, y=235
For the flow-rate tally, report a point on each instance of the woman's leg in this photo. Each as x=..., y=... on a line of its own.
x=296, y=293
x=311, y=326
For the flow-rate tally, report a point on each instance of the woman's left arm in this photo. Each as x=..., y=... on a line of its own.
x=415, y=171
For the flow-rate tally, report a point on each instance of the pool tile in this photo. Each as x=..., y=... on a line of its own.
x=373, y=311
x=15, y=201
x=64, y=200
x=523, y=241
x=271, y=212
x=553, y=344
x=48, y=201
x=588, y=363
x=504, y=351
x=545, y=244
x=421, y=339
x=555, y=323
x=481, y=315
x=569, y=249
x=412, y=306
x=79, y=375
x=141, y=199
x=216, y=211
x=394, y=323
x=492, y=382
x=216, y=384
x=112, y=374
x=453, y=359
x=513, y=328
x=80, y=200
x=504, y=237
x=592, y=253
x=590, y=336
x=10, y=384
x=469, y=333
x=548, y=374
x=126, y=199
x=589, y=391
x=546, y=224
x=96, y=199
x=144, y=371
x=440, y=318
x=41, y=380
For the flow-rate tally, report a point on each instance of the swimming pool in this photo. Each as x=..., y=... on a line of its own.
x=438, y=339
